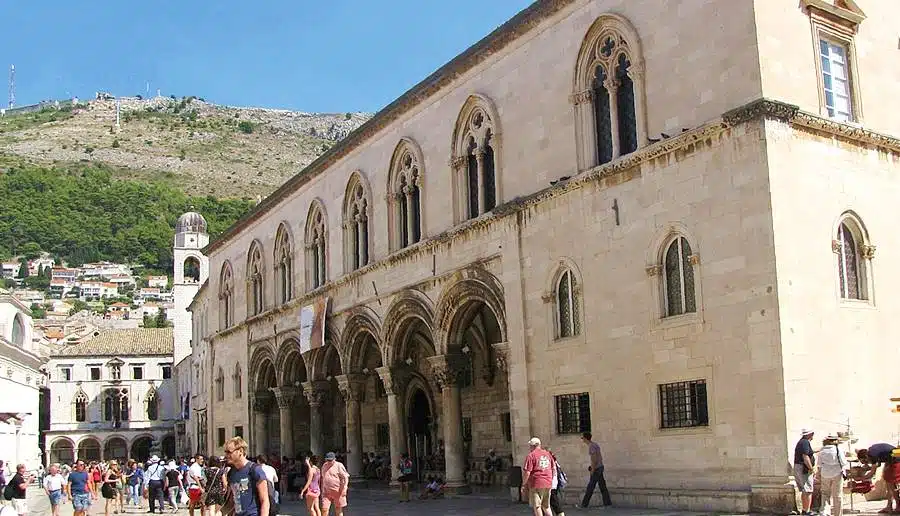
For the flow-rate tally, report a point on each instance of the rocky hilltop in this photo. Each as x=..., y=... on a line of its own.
x=206, y=149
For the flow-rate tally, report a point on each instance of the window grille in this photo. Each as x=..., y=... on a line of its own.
x=573, y=413
x=683, y=404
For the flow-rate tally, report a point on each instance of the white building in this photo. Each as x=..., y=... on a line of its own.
x=111, y=397
x=20, y=384
x=11, y=269
x=35, y=266
x=104, y=269
x=98, y=290
x=158, y=281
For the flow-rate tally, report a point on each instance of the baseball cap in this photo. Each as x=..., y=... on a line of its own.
x=534, y=441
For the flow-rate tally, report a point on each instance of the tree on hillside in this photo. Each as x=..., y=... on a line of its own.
x=38, y=312
x=161, y=320
x=31, y=250
x=23, y=268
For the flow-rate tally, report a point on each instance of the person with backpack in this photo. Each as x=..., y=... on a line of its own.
x=406, y=476
x=559, y=482
x=249, y=487
x=15, y=489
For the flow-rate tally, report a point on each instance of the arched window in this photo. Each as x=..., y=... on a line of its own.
x=316, y=246
x=238, y=381
x=81, y=402
x=474, y=161
x=152, y=401
x=568, y=312
x=853, y=255
x=220, y=385
x=356, y=224
x=191, y=269
x=108, y=402
x=18, y=331
x=226, y=296
x=608, y=93
x=124, y=412
x=405, y=198
x=284, y=288
x=255, y=287
x=678, y=278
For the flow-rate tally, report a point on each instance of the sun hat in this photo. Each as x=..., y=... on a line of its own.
x=534, y=441
x=330, y=456
x=807, y=431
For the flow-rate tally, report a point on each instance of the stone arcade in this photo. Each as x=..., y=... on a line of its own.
x=638, y=295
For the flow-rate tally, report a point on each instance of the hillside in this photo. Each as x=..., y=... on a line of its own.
x=202, y=148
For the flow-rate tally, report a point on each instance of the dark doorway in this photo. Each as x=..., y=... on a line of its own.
x=419, y=424
x=140, y=449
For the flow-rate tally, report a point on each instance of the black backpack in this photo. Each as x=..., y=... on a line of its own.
x=257, y=474
x=9, y=491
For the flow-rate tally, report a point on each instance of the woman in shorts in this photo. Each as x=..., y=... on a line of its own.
x=312, y=489
x=215, y=487
x=110, y=489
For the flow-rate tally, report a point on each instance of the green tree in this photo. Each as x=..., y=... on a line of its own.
x=23, y=268
x=31, y=250
x=161, y=320
x=245, y=126
x=77, y=306
x=38, y=312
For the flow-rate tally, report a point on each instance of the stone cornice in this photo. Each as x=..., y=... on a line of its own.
x=509, y=32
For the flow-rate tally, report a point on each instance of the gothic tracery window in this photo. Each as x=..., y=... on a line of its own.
x=568, y=313
x=220, y=385
x=356, y=225
x=81, y=407
x=226, y=296
x=237, y=380
x=255, y=285
x=678, y=278
x=475, y=159
x=316, y=247
x=152, y=402
x=406, y=196
x=608, y=93
x=283, y=265
x=853, y=254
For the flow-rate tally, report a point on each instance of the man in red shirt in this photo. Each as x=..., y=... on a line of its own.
x=537, y=476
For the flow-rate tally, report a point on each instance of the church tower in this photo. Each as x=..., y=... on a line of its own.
x=191, y=270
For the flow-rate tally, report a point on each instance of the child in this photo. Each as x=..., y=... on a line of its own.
x=311, y=490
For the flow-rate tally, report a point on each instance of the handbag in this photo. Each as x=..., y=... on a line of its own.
x=184, y=497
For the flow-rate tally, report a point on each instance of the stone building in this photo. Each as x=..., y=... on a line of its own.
x=601, y=216
x=111, y=397
x=21, y=380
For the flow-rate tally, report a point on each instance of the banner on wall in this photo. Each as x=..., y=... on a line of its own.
x=312, y=325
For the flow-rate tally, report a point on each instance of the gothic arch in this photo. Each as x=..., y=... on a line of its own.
x=563, y=295
x=283, y=259
x=476, y=286
x=322, y=359
x=256, y=273
x=357, y=222
x=405, y=195
x=261, y=359
x=291, y=365
x=611, y=45
x=689, y=288
x=407, y=307
x=476, y=149
x=361, y=321
x=316, y=245
x=226, y=295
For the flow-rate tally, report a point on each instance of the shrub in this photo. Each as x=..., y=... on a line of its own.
x=115, y=143
x=88, y=150
x=245, y=127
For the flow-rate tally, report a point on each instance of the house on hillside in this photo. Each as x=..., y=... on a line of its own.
x=10, y=269
x=160, y=282
x=119, y=311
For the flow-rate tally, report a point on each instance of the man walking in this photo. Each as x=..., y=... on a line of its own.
x=80, y=487
x=537, y=478
x=154, y=484
x=19, y=484
x=334, y=482
x=832, y=467
x=247, y=481
x=596, y=469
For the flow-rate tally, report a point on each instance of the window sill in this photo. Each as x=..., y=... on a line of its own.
x=678, y=321
x=560, y=342
x=687, y=431
x=862, y=304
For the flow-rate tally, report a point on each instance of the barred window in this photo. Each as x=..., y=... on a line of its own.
x=573, y=413
x=467, y=429
x=383, y=435
x=683, y=404
x=568, y=317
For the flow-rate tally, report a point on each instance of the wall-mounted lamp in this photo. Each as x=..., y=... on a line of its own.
x=296, y=383
x=329, y=378
x=466, y=349
x=366, y=370
x=408, y=361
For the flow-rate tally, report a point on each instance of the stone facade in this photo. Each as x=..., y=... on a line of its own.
x=102, y=408
x=623, y=251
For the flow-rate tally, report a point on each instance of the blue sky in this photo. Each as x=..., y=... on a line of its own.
x=332, y=56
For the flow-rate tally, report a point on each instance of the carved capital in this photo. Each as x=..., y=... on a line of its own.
x=694, y=259
x=547, y=297
x=316, y=393
x=501, y=355
x=653, y=270
x=836, y=246
x=611, y=84
x=582, y=97
x=285, y=396
x=351, y=387
x=867, y=251
x=458, y=162
x=394, y=379
x=262, y=401
x=636, y=72
x=445, y=369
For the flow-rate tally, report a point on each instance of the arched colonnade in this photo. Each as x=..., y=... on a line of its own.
x=66, y=450
x=427, y=378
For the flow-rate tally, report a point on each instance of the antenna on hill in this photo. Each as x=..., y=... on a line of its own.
x=12, y=85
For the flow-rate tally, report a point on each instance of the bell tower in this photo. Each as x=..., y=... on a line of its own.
x=191, y=270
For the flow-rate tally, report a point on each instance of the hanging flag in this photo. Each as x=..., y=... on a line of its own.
x=312, y=325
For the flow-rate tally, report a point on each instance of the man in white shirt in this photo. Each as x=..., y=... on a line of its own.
x=196, y=482
x=271, y=473
x=831, y=467
x=53, y=485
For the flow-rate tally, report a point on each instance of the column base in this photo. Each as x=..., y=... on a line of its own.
x=457, y=489
x=773, y=498
x=359, y=482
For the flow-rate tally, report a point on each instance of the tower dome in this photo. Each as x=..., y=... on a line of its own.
x=190, y=222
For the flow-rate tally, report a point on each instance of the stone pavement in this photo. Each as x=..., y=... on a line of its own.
x=375, y=502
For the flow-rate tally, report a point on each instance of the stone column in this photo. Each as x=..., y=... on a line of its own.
x=636, y=73
x=285, y=396
x=586, y=129
x=612, y=84
x=393, y=384
x=410, y=220
x=361, y=249
x=262, y=402
x=479, y=158
x=445, y=370
x=320, y=260
x=351, y=387
x=315, y=395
